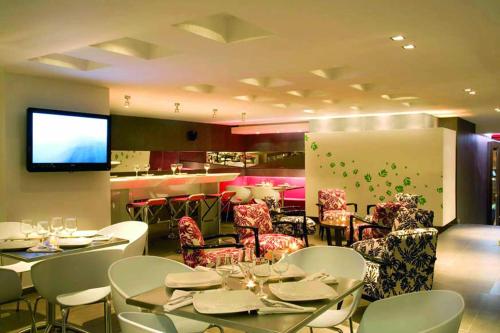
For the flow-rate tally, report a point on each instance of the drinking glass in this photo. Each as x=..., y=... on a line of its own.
x=70, y=225
x=207, y=167
x=224, y=266
x=280, y=263
x=56, y=225
x=173, y=167
x=26, y=227
x=147, y=167
x=246, y=262
x=261, y=272
x=179, y=167
x=137, y=168
x=42, y=228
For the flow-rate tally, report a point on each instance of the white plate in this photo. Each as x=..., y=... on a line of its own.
x=17, y=244
x=226, y=301
x=193, y=280
x=80, y=233
x=302, y=291
x=292, y=272
x=74, y=242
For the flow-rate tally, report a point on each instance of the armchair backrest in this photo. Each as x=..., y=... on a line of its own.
x=407, y=200
x=385, y=213
x=413, y=218
x=190, y=234
x=254, y=215
x=332, y=199
x=408, y=257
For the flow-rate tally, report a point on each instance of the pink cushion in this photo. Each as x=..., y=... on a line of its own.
x=269, y=242
x=332, y=199
x=255, y=215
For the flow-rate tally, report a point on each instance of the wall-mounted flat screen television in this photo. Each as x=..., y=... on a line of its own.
x=67, y=141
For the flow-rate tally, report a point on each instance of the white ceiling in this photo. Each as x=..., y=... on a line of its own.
x=457, y=47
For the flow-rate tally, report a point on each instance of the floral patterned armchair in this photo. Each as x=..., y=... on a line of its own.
x=254, y=226
x=196, y=252
x=400, y=263
x=331, y=202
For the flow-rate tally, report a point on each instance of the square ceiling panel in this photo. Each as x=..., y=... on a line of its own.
x=223, y=28
x=66, y=61
x=134, y=48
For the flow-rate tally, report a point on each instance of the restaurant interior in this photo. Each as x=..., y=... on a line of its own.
x=249, y=166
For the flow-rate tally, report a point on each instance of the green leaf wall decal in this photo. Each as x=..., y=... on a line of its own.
x=439, y=190
x=407, y=181
x=355, y=171
x=357, y=184
x=306, y=137
x=393, y=166
x=342, y=164
x=422, y=200
x=388, y=184
x=371, y=188
x=368, y=177
x=399, y=188
x=383, y=173
x=332, y=165
x=329, y=154
x=314, y=145
x=381, y=198
x=344, y=173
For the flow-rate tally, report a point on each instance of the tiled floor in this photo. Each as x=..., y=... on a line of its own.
x=468, y=262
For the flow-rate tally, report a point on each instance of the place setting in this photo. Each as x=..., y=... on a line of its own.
x=248, y=285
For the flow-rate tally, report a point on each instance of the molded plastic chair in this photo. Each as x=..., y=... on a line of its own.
x=140, y=322
x=243, y=195
x=76, y=279
x=11, y=291
x=339, y=262
x=263, y=192
x=135, y=231
x=435, y=311
x=126, y=282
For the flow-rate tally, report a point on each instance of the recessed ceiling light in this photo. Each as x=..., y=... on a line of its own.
x=497, y=109
x=398, y=38
x=126, y=103
x=467, y=89
x=409, y=46
x=309, y=111
x=472, y=92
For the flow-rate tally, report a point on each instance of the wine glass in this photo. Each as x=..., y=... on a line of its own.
x=280, y=263
x=70, y=225
x=147, y=167
x=224, y=266
x=246, y=262
x=56, y=224
x=206, y=166
x=261, y=272
x=26, y=227
x=137, y=168
x=179, y=167
x=42, y=228
x=173, y=167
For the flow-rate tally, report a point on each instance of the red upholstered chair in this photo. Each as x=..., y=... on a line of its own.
x=253, y=224
x=196, y=252
x=331, y=202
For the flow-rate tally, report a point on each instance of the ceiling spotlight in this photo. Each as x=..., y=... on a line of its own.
x=497, y=109
x=243, y=116
x=409, y=46
x=398, y=38
x=467, y=89
x=214, y=113
x=472, y=92
x=126, y=103
x=177, y=109
x=309, y=111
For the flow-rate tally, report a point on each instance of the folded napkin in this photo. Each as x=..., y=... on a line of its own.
x=179, y=299
x=237, y=271
x=321, y=276
x=202, y=269
x=273, y=306
x=43, y=249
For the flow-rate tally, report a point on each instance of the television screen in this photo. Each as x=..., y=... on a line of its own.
x=67, y=141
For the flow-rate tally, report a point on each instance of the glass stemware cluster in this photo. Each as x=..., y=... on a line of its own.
x=176, y=167
x=43, y=228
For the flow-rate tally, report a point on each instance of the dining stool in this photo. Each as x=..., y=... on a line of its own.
x=184, y=206
x=223, y=200
x=146, y=210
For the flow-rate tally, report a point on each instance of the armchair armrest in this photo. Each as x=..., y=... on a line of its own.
x=236, y=237
x=211, y=246
x=353, y=204
x=361, y=228
x=255, y=231
x=368, y=207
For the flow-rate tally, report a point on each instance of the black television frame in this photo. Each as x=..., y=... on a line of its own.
x=55, y=167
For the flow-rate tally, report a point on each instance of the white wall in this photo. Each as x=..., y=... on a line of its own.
x=85, y=195
x=372, y=166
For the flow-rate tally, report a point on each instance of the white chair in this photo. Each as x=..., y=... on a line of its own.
x=11, y=291
x=243, y=195
x=433, y=311
x=73, y=280
x=135, y=232
x=262, y=192
x=131, y=276
x=140, y=322
x=339, y=262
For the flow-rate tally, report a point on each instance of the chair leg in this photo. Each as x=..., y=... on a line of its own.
x=350, y=325
x=32, y=315
x=311, y=329
x=107, y=316
x=64, y=319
